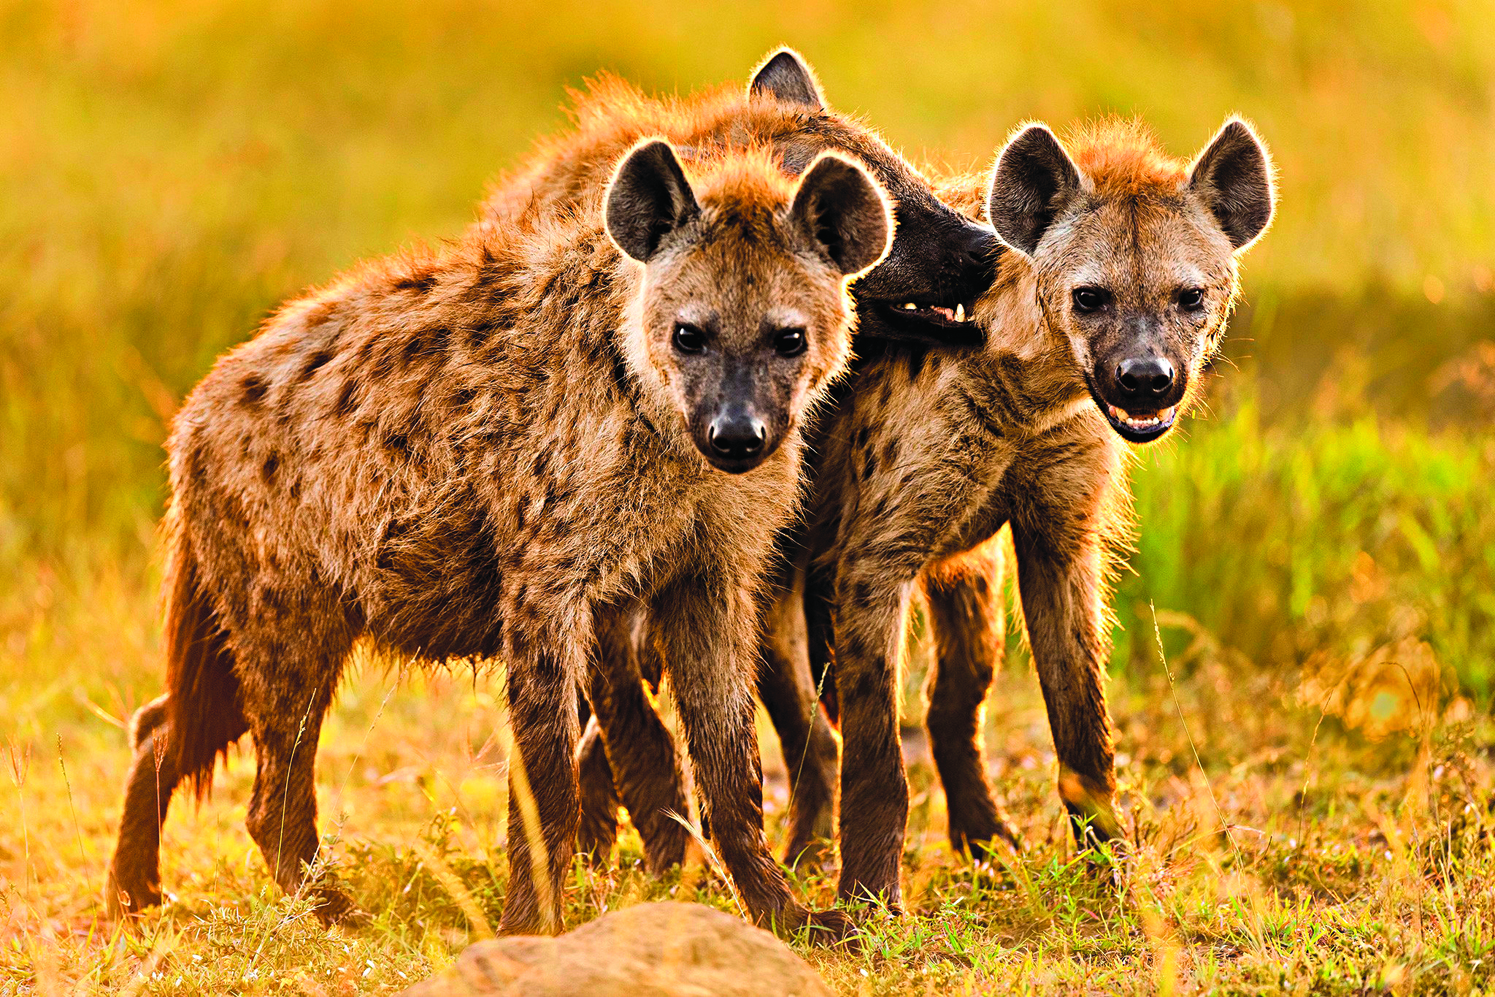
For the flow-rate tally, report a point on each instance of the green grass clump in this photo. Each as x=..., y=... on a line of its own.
x=1297, y=542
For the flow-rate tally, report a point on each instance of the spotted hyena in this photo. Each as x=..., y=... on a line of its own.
x=1116, y=291
x=490, y=452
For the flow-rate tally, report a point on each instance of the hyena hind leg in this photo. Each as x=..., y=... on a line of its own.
x=134, y=880
x=811, y=752
x=640, y=751
x=285, y=704
x=966, y=617
x=597, y=830
x=147, y=719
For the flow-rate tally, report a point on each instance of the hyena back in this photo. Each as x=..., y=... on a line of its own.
x=488, y=453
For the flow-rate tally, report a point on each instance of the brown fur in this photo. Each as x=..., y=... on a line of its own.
x=488, y=452
x=931, y=454
x=938, y=258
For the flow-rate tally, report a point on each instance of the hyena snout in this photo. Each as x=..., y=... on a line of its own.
x=1140, y=389
x=740, y=425
x=1145, y=378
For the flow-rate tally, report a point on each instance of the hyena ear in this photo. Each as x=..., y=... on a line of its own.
x=648, y=199
x=786, y=76
x=1033, y=181
x=846, y=211
x=1233, y=177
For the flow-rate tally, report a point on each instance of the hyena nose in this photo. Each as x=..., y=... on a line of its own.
x=981, y=248
x=1145, y=376
x=736, y=434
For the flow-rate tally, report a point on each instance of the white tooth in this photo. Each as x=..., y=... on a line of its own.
x=960, y=313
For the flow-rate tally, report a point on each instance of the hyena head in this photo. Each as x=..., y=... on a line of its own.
x=940, y=262
x=1135, y=255
x=744, y=314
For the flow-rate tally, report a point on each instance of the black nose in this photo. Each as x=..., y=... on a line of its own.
x=1145, y=376
x=980, y=247
x=736, y=435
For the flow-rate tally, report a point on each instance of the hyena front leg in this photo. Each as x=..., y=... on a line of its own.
x=811, y=752
x=543, y=801
x=1061, y=582
x=870, y=607
x=641, y=754
x=708, y=631
x=965, y=615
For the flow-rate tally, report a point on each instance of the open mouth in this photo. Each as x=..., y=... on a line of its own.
x=1140, y=427
x=930, y=323
x=937, y=314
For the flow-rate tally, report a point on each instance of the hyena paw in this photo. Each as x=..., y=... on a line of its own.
x=982, y=836
x=334, y=907
x=820, y=928
x=126, y=896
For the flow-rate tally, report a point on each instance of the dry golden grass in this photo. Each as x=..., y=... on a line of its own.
x=1275, y=846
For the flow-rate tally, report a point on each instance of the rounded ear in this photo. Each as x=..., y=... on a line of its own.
x=649, y=198
x=1033, y=181
x=846, y=211
x=786, y=76
x=1233, y=177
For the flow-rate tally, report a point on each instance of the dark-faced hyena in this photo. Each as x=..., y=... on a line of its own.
x=922, y=292
x=1098, y=327
x=489, y=452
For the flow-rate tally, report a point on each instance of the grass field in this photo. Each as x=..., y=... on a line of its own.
x=1307, y=782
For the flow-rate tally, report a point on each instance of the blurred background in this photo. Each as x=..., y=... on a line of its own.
x=169, y=170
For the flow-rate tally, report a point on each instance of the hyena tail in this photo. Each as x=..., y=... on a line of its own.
x=203, y=712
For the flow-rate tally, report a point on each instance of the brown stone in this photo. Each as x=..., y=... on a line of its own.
x=651, y=950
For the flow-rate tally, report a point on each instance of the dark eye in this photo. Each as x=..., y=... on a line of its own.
x=1090, y=299
x=789, y=342
x=688, y=338
x=1191, y=299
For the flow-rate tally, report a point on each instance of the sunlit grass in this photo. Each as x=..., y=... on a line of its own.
x=1295, y=853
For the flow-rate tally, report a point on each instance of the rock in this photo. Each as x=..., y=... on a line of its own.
x=651, y=950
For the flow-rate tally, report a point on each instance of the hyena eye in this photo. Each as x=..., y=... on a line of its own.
x=1090, y=299
x=688, y=338
x=789, y=342
x=1191, y=299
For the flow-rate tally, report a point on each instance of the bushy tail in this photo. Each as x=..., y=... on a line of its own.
x=203, y=710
